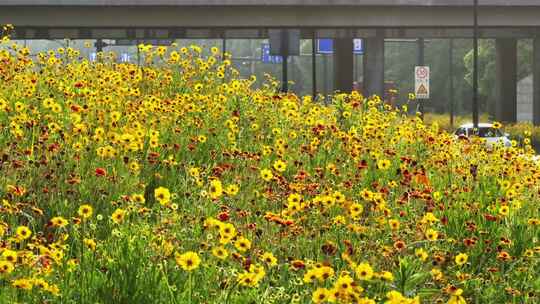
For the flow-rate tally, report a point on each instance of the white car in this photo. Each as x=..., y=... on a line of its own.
x=486, y=131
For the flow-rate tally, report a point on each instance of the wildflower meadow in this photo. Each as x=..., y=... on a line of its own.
x=178, y=181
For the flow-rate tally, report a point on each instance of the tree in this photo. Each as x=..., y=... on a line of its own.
x=487, y=68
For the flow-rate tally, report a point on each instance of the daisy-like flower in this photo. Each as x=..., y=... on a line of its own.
x=189, y=261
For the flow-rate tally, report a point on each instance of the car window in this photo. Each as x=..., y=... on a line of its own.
x=488, y=132
x=461, y=132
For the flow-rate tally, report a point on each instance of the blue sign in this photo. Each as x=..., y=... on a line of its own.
x=266, y=57
x=326, y=46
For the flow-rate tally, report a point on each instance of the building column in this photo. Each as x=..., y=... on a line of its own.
x=343, y=65
x=374, y=65
x=506, y=80
x=536, y=82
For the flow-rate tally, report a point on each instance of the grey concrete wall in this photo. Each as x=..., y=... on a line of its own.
x=468, y=3
x=274, y=16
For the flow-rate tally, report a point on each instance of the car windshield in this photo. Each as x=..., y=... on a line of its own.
x=487, y=132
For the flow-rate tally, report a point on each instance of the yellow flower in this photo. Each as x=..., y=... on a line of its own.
x=226, y=230
x=266, y=175
x=387, y=276
x=294, y=198
x=53, y=289
x=280, y=165
x=258, y=270
x=242, y=244
x=504, y=210
x=40, y=283
x=220, y=252
x=23, y=232
x=421, y=254
x=188, y=261
x=138, y=198
x=232, y=190
x=436, y=274
x=339, y=197
x=394, y=224
x=194, y=172
x=59, y=222
x=85, y=211
x=118, y=215
x=457, y=298
x=395, y=297
x=216, y=189
x=325, y=272
x=269, y=259
x=162, y=195
x=366, y=301
x=6, y=267
x=432, y=234
x=461, y=259
x=429, y=219
x=310, y=275
x=10, y=255
x=355, y=210
x=90, y=243
x=22, y=284
x=248, y=279
x=364, y=271
x=344, y=283
x=321, y=295
x=383, y=164
x=134, y=167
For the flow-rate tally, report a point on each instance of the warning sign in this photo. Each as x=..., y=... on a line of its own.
x=422, y=90
x=421, y=83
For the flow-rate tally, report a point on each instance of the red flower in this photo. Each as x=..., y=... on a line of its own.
x=223, y=216
x=469, y=242
x=298, y=264
x=100, y=172
x=399, y=245
x=490, y=217
x=362, y=165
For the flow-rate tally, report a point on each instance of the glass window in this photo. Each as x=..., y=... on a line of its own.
x=461, y=132
x=488, y=132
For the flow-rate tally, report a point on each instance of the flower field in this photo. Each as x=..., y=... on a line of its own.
x=177, y=181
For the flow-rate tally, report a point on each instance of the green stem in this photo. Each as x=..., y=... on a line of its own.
x=190, y=288
x=164, y=272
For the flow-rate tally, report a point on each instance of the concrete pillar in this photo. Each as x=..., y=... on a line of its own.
x=506, y=80
x=374, y=65
x=536, y=82
x=343, y=64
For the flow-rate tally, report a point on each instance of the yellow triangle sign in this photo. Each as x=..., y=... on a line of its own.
x=422, y=90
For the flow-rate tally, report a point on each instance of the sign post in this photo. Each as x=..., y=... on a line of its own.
x=421, y=84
